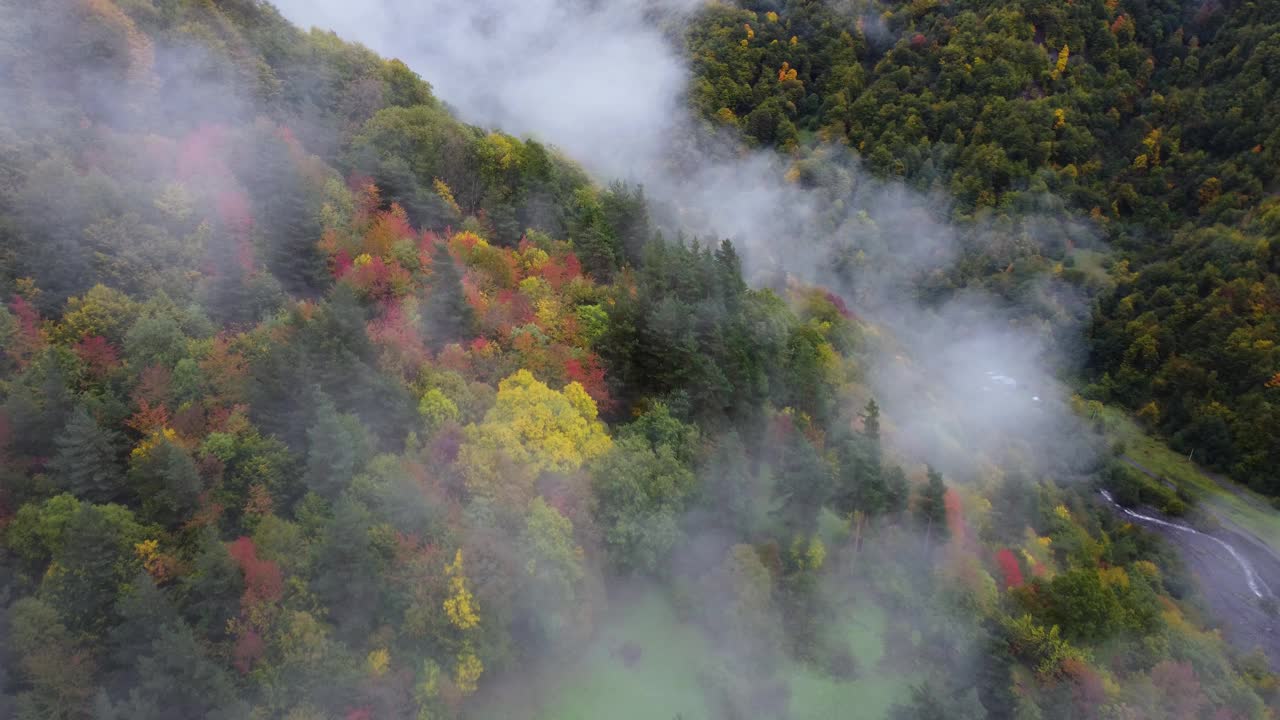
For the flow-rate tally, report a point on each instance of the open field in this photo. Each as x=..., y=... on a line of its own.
x=663, y=682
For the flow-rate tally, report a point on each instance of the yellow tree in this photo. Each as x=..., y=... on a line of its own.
x=531, y=429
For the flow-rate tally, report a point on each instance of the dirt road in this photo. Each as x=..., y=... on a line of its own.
x=1238, y=574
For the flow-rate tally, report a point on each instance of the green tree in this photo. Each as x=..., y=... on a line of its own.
x=87, y=461
x=931, y=507
x=450, y=317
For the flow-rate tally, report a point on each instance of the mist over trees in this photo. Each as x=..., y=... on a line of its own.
x=317, y=401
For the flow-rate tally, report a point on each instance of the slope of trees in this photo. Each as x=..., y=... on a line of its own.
x=1154, y=125
x=318, y=403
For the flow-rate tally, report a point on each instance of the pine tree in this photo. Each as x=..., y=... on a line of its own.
x=931, y=509
x=86, y=463
x=334, y=450
x=451, y=317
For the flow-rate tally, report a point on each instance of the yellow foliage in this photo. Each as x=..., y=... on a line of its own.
x=362, y=259
x=786, y=72
x=817, y=554
x=1062, y=512
x=446, y=194
x=1114, y=577
x=149, y=443
x=1061, y=65
x=378, y=662
x=771, y=16
x=794, y=40
x=1059, y=118
x=538, y=430
x=750, y=33
x=460, y=606
x=1152, y=143
x=726, y=116
x=467, y=672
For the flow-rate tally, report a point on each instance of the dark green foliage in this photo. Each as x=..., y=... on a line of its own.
x=336, y=450
x=802, y=479
x=640, y=488
x=449, y=317
x=166, y=481
x=211, y=591
x=931, y=509
x=346, y=570
x=87, y=463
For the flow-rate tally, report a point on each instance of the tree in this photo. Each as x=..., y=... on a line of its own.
x=640, y=491
x=553, y=561
x=531, y=429
x=165, y=477
x=803, y=481
x=449, y=317
x=59, y=677
x=931, y=509
x=336, y=449
x=95, y=558
x=211, y=590
x=346, y=578
x=87, y=460
x=929, y=701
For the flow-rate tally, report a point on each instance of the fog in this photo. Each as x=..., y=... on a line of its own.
x=605, y=82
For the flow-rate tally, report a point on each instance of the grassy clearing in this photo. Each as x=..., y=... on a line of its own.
x=815, y=696
x=664, y=682
x=1240, y=505
x=661, y=685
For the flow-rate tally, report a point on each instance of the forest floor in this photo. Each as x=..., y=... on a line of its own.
x=1231, y=517
x=662, y=680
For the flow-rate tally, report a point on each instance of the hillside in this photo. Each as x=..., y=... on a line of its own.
x=318, y=402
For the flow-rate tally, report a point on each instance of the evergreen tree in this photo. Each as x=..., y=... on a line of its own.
x=335, y=449
x=450, y=317
x=86, y=463
x=931, y=508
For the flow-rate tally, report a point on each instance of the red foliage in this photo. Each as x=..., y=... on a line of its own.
x=262, y=579
x=917, y=40
x=379, y=279
x=189, y=421
x=558, y=271
x=248, y=650
x=1118, y=23
x=149, y=418
x=30, y=337
x=402, y=344
x=341, y=264
x=1179, y=690
x=387, y=227
x=1087, y=687
x=453, y=357
x=1009, y=567
x=955, y=515
x=153, y=386
x=201, y=153
x=98, y=355
x=590, y=374
x=446, y=444
x=235, y=213
x=838, y=303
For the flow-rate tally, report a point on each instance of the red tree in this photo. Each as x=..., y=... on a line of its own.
x=1009, y=567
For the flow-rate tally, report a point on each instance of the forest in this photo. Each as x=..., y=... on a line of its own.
x=320, y=401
